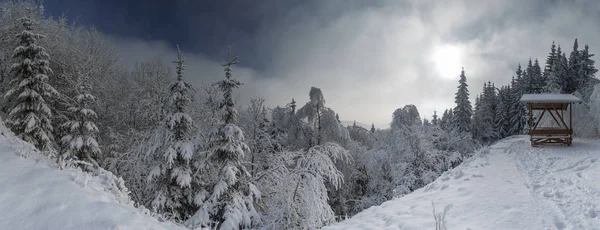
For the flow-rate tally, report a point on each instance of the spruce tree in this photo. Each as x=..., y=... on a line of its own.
x=517, y=112
x=463, y=110
x=553, y=81
x=502, y=123
x=372, y=128
x=230, y=205
x=550, y=60
x=435, y=120
x=476, y=125
x=30, y=116
x=573, y=77
x=173, y=176
x=80, y=142
x=538, y=79
x=488, y=113
x=588, y=70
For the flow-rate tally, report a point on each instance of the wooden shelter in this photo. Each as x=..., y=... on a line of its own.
x=555, y=106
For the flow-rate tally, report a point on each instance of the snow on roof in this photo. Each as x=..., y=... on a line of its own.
x=550, y=97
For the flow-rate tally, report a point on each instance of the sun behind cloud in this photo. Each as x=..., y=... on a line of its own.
x=447, y=60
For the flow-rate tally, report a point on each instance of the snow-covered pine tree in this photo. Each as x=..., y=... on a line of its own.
x=173, y=176
x=30, y=116
x=476, y=125
x=550, y=60
x=230, y=204
x=80, y=142
x=372, y=128
x=463, y=110
x=487, y=112
x=588, y=70
x=502, y=124
x=435, y=120
x=538, y=79
x=573, y=77
x=553, y=81
x=450, y=123
x=517, y=112
x=444, y=119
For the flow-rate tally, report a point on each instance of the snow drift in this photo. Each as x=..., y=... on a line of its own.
x=509, y=185
x=34, y=194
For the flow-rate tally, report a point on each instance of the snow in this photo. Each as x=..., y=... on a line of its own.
x=550, y=97
x=509, y=185
x=34, y=195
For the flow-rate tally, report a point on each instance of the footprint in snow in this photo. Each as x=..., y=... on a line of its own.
x=477, y=175
x=559, y=224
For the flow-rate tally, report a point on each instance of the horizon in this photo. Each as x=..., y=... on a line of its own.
x=369, y=58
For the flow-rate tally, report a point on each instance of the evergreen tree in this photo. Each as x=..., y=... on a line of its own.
x=372, y=128
x=463, y=110
x=553, y=81
x=30, y=116
x=550, y=60
x=337, y=117
x=230, y=205
x=573, y=77
x=538, y=79
x=528, y=78
x=444, y=119
x=476, y=125
x=588, y=70
x=519, y=83
x=502, y=123
x=517, y=112
x=487, y=113
x=80, y=141
x=173, y=176
x=450, y=122
x=435, y=120
x=426, y=122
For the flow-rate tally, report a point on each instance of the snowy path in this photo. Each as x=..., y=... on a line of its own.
x=508, y=186
x=36, y=196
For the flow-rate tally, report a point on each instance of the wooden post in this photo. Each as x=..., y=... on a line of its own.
x=571, y=123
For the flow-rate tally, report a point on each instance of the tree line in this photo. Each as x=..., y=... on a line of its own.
x=193, y=155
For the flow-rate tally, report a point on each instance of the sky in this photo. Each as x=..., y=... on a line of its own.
x=368, y=57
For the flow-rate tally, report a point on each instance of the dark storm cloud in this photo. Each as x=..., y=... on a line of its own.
x=369, y=57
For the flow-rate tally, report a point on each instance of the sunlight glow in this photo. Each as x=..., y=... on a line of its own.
x=447, y=61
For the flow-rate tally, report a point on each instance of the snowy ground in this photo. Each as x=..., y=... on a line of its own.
x=36, y=196
x=508, y=186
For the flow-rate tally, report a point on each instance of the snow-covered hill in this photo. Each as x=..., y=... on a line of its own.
x=507, y=186
x=34, y=195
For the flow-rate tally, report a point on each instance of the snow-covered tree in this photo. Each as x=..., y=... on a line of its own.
x=553, y=71
x=463, y=110
x=230, y=202
x=486, y=114
x=405, y=117
x=30, y=116
x=319, y=122
x=435, y=120
x=173, y=176
x=372, y=128
x=588, y=70
x=502, y=122
x=573, y=77
x=517, y=112
x=81, y=131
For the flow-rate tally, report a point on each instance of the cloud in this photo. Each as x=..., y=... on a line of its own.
x=370, y=59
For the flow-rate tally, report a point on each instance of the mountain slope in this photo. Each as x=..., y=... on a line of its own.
x=34, y=195
x=507, y=186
